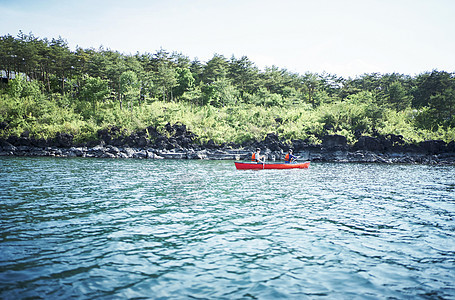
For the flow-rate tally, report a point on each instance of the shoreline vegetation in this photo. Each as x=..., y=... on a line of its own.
x=55, y=101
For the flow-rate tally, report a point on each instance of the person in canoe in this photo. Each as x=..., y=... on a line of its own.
x=257, y=157
x=289, y=158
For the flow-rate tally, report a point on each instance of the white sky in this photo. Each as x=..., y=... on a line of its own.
x=342, y=37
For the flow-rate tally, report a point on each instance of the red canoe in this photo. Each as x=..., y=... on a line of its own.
x=256, y=166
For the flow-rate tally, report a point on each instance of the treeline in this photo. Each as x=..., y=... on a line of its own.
x=93, y=83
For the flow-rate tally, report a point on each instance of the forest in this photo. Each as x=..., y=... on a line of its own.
x=47, y=88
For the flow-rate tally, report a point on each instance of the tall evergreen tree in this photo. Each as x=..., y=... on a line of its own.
x=397, y=97
x=244, y=74
x=215, y=69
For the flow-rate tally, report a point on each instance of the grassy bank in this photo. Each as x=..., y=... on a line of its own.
x=42, y=116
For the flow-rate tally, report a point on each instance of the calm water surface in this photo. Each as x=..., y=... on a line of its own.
x=178, y=229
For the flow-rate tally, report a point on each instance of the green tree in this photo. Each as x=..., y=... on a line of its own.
x=114, y=66
x=331, y=84
x=94, y=90
x=274, y=79
x=8, y=54
x=430, y=84
x=19, y=87
x=16, y=86
x=166, y=80
x=397, y=97
x=197, y=70
x=244, y=74
x=129, y=88
x=312, y=85
x=185, y=81
x=215, y=69
x=220, y=93
x=180, y=61
x=60, y=56
x=96, y=63
x=442, y=106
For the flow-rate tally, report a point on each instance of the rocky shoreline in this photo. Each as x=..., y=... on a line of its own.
x=179, y=143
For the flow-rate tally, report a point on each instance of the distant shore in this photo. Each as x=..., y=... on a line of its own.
x=181, y=145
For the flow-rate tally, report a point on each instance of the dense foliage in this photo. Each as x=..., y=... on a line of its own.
x=56, y=89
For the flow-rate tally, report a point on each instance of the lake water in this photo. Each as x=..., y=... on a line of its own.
x=180, y=229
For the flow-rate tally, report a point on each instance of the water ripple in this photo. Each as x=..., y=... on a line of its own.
x=94, y=228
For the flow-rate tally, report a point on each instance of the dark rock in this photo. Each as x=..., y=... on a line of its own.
x=140, y=154
x=179, y=143
x=211, y=145
x=201, y=154
x=118, y=141
x=316, y=156
x=183, y=141
x=433, y=146
x=19, y=141
x=121, y=155
x=407, y=148
x=168, y=127
x=173, y=155
x=153, y=155
x=334, y=142
x=161, y=142
x=64, y=140
x=24, y=148
x=112, y=149
x=368, y=143
x=55, y=151
x=110, y=133
x=299, y=145
x=76, y=151
x=172, y=144
x=130, y=140
x=7, y=146
x=41, y=143
x=13, y=140
x=108, y=155
x=39, y=152
x=97, y=151
x=395, y=139
x=451, y=147
x=152, y=131
x=128, y=151
x=104, y=135
x=150, y=154
x=338, y=155
x=271, y=137
x=142, y=141
x=180, y=129
x=273, y=143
